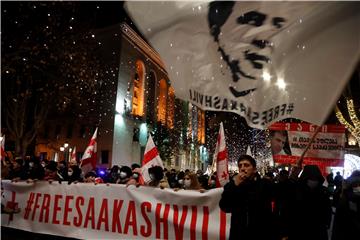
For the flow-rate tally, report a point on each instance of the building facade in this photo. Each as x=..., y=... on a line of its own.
x=145, y=103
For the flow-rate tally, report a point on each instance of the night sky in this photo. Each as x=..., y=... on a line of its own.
x=51, y=54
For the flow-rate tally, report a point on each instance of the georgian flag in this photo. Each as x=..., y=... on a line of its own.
x=73, y=155
x=221, y=159
x=151, y=158
x=263, y=60
x=89, y=159
x=2, y=146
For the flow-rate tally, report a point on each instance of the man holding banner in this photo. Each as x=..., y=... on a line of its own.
x=249, y=200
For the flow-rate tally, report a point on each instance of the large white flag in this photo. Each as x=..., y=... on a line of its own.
x=221, y=159
x=263, y=60
x=151, y=159
x=88, y=160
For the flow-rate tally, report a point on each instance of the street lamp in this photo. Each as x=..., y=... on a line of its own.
x=65, y=149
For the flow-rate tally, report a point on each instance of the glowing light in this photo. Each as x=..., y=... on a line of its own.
x=62, y=149
x=352, y=140
x=351, y=163
x=266, y=76
x=281, y=83
x=354, y=126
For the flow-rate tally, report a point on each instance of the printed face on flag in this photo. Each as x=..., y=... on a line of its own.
x=263, y=60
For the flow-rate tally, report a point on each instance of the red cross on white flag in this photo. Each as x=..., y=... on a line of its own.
x=2, y=145
x=221, y=158
x=151, y=158
x=88, y=160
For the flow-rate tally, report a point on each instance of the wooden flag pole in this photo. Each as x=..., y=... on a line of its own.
x=298, y=166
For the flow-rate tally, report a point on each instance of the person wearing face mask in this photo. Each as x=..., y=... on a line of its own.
x=73, y=174
x=135, y=177
x=191, y=182
x=309, y=207
x=124, y=175
x=34, y=170
x=347, y=216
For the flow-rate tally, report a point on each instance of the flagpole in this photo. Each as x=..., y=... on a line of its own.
x=295, y=171
x=301, y=159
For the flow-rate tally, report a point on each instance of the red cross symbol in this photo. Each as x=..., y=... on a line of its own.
x=12, y=205
x=91, y=151
x=224, y=174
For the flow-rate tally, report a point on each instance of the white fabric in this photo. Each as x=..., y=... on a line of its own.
x=221, y=165
x=156, y=161
x=88, y=211
x=73, y=155
x=314, y=51
x=90, y=152
x=2, y=145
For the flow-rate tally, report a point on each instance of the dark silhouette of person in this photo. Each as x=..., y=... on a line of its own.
x=347, y=216
x=309, y=206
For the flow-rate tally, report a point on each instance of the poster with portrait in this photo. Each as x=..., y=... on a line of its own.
x=289, y=141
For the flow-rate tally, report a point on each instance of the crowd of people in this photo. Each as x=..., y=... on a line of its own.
x=287, y=205
x=34, y=169
x=294, y=205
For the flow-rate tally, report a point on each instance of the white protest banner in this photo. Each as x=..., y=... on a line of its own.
x=289, y=141
x=263, y=60
x=88, y=211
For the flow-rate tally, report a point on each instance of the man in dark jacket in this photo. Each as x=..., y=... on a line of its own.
x=249, y=200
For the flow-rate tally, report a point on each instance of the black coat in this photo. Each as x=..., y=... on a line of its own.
x=347, y=218
x=309, y=212
x=250, y=205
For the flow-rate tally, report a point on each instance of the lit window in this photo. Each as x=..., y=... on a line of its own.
x=138, y=91
x=162, y=102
